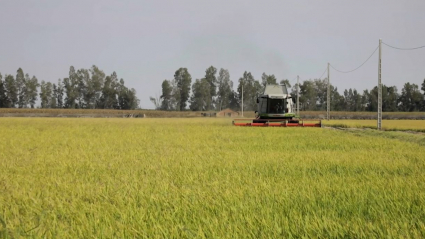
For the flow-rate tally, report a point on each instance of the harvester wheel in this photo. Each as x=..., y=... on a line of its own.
x=294, y=122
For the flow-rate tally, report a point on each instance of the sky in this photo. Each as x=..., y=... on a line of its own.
x=145, y=42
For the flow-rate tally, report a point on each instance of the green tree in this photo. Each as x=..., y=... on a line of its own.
x=71, y=89
x=83, y=83
x=423, y=87
x=157, y=101
x=95, y=86
x=410, y=98
x=267, y=80
x=20, y=87
x=166, y=96
x=285, y=82
x=4, y=100
x=225, y=92
x=108, y=100
x=11, y=91
x=337, y=100
x=45, y=94
x=357, y=101
x=175, y=93
x=251, y=90
x=390, y=98
x=423, y=91
x=308, y=95
x=183, y=80
x=200, y=95
x=60, y=94
x=31, y=93
x=234, y=101
x=321, y=88
x=210, y=77
x=54, y=99
x=127, y=99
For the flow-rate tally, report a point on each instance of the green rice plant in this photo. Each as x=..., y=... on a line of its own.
x=204, y=178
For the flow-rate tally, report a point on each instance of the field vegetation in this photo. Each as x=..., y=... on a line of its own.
x=399, y=125
x=204, y=178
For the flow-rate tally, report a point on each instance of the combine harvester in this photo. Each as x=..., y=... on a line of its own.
x=275, y=108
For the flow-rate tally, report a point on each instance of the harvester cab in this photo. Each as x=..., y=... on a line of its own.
x=275, y=107
x=275, y=103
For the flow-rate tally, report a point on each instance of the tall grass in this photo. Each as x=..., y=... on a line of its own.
x=204, y=178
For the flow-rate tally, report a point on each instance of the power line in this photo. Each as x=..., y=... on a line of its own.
x=405, y=49
x=323, y=73
x=358, y=66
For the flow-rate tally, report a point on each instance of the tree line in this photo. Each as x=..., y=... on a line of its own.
x=82, y=89
x=215, y=92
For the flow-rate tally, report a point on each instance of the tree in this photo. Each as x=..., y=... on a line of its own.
x=390, y=98
x=225, y=93
x=201, y=96
x=166, y=96
x=308, y=95
x=53, y=100
x=84, y=98
x=11, y=91
x=20, y=87
x=210, y=77
x=423, y=86
x=59, y=94
x=267, y=80
x=157, y=101
x=251, y=90
x=183, y=80
x=411, y=98
x=321, y=88
x=365, y=99
x=95, y=86
x=108, y=99
x=337, y=100
x=45, y=94
x=127, y=99
x=357, y=101
x=234, y=101
x=71, y=89
x=31, y=93
x=423, y=89
x=175, y=95
x=285, y=82
x=4, y=101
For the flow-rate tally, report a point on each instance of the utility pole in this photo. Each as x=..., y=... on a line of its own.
x=328, y=101
x=298, y=97
x=379, y=89
x=242, y=98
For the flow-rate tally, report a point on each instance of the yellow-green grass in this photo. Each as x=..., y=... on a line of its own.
x=204, y=178
x=404, y=125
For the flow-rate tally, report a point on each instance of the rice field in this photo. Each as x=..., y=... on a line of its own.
x=204, y=178
x=403, y=125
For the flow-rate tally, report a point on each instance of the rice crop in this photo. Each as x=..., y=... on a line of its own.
x=204, y=178
x=403, y=125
